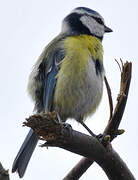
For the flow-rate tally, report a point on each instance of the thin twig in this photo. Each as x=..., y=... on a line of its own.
x=109, y=97
x=120, y=68
x=112, y=126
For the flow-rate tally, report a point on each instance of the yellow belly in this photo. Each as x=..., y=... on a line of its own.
x=77, y=78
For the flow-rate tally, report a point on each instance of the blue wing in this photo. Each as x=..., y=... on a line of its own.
x=50, y=80
x=22, y=159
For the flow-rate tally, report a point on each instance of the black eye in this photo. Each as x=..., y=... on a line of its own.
x=99, y=20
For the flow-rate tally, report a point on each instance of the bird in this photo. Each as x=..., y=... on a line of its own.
x=68, y=75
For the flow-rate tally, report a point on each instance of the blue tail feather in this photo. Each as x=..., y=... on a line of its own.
x=22, y=159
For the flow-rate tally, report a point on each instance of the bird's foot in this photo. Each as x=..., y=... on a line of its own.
x=64, y=125
x=100, y=136
x=67, y=126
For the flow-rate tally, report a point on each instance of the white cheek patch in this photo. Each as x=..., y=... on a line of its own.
x=94, y=27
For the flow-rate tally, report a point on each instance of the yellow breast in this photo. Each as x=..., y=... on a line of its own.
x=83, y=46
x=78, y=51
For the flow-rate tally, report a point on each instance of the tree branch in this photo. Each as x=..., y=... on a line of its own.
x=4, y=174
x=55, y=134
x=80, y=168
x=114, y=123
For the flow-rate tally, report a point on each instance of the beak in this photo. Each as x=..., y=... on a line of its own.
x=107, y=29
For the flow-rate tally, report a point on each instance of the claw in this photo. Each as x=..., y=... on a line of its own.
x=67, y=126
x=100, y=136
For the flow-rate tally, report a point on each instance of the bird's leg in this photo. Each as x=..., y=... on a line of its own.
x=66, y=125
x=86, y=127
x=99, y=136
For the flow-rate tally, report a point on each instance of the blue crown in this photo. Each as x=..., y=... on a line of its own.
x=88, y=10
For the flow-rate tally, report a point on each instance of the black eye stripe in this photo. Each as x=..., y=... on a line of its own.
x=99, y=20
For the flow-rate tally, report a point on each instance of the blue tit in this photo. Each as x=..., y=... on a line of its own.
x=68, y=76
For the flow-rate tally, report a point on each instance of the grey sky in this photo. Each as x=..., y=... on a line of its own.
x=25, y=28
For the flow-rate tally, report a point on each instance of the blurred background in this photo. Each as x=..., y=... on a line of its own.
x=26, y=27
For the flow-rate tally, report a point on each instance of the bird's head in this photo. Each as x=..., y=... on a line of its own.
x=83, y=20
